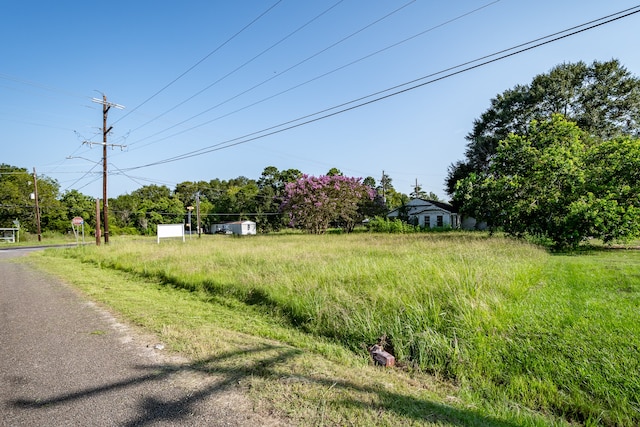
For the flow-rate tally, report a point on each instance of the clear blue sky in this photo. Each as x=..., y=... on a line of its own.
x=196, y=74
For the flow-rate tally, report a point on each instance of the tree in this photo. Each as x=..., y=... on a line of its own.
x=16, y=187
x=16, y=184
x=558, y=183
x=419, y=193
x=271, y=193
x=313, y=203
x=391, y=198
x=370, y=181
x=147, y=207
x=613, y=189
x=186, y=191
x=241, y=193
x=335, y=172
x=76, y=204
x=372, y=208
x=124, y=214
x=603, y=99
x=531, y=183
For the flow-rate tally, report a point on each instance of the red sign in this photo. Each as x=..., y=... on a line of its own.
x=77, y=221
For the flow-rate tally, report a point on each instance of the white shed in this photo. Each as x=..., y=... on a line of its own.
x=238, y=227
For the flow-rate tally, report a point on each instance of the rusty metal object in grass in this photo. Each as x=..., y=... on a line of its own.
x=381, y=357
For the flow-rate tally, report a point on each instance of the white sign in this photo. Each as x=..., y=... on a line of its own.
x=170, y=230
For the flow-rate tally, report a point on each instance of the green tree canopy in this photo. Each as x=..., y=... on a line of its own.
x=16, y=184
x=16, y=189
x=603, y=99
x=147, y=207
x=559, y=183
x=271, y=193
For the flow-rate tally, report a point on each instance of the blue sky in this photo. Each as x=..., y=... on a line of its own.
x=201, y=75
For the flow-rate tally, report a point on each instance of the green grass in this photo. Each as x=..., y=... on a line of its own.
x=46, y=238
x=486, y=331
x=572, y=345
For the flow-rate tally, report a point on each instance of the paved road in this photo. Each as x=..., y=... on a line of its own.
x=65, y=362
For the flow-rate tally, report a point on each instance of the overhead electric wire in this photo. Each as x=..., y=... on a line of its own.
x=86, y=185
x=136, y=178
x=303, y=83
x=200, y=61
x=82, y=177
x=40, y=86
x=270, y=131
x=342, y=40
x=235, y=70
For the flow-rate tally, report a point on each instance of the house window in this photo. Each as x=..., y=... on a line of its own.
x=427, y=221
x=439, y=220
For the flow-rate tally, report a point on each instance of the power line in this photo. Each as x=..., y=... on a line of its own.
x=40, y=86
x=235, y=70
x=303, y=83
x=83, y=176
x=201, y=60
x=292, y=67
x=288, y=125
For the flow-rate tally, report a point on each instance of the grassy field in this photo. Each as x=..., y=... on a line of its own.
x=486, y=331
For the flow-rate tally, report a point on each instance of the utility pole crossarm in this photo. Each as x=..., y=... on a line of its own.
x=107, y=105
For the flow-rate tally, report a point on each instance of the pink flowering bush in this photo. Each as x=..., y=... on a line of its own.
x=313, y=203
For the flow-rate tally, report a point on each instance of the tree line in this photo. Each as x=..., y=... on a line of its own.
x=268, y=201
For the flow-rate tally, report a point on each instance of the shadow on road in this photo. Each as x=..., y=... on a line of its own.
x=229, y=371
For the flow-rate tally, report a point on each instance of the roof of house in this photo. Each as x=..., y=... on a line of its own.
x=235, y=222
x=441, y=205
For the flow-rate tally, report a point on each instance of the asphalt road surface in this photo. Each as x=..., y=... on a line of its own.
x=66, y=362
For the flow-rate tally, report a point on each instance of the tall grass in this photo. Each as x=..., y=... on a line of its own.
x=501, y=317
x=424, y=294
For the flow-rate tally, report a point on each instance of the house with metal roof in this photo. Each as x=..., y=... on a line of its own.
x=428, y=213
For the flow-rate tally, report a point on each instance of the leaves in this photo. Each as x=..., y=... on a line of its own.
x=603, y=99
x=558, y=183
x=313, y=203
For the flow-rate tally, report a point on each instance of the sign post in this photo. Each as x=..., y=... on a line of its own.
x=16, y=223
x=77, y=221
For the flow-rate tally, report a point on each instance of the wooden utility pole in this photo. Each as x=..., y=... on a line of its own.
x=383, y=184
x=35, y=194
x=416, y=190
x=105, y=198
x=198, y=212
x=98, y=222
x=106, y=106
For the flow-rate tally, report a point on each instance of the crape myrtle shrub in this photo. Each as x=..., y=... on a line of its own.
x=313, y=203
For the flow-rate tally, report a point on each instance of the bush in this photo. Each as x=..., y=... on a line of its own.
x=124, y=231
x=386, y=225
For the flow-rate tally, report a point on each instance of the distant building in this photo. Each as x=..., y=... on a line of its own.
x=427, y=213
x=241, y=228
